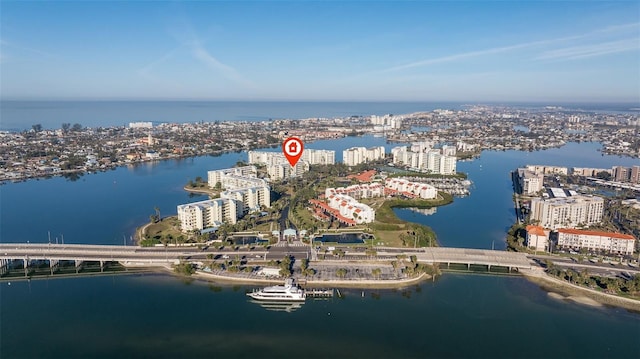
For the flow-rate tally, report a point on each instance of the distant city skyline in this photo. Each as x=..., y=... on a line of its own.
x=569, y=51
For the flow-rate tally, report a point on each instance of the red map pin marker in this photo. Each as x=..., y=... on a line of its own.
x=292, y=149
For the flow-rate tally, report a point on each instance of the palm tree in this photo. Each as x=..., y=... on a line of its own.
x=376, y=272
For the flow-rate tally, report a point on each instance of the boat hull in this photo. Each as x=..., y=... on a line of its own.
x=262, y=298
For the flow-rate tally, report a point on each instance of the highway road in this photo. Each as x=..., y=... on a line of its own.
x=600, y=269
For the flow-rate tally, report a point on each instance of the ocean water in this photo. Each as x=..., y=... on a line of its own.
x=157, y=315
x=21, y=115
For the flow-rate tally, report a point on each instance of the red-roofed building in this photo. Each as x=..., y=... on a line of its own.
x=617, y=243
x=537, y=238
x=365, y=176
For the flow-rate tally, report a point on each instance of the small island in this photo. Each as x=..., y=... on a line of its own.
x=299, y=216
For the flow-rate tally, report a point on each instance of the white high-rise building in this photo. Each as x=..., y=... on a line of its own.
x=568, y=212
x=208, y=214
x=266, y=158
x=448, y=150
x=388, y=121
x=278, y=166
x=284, y=170
x=530, y=182
x=244, y=193
x=252, y=198
x=356, y=155
x=318, y=157
x=237, y=177
x=432, y=161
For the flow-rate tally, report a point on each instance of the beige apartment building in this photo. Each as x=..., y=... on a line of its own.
x=569, y=212
x=615, y=243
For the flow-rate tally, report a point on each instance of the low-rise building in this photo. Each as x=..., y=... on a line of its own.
x=350, y=208
x=537, y=238
x=410, y=189
x=358, y=191
x=615, y=243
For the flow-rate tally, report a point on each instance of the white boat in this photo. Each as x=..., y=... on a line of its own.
x=289, y=292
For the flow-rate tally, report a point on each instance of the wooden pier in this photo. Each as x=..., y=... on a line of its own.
x=319, y=293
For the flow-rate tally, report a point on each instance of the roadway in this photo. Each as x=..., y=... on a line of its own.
x=611, y=269
x=84, y=252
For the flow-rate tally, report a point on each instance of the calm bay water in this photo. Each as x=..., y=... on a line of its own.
x=162, y=316
x=482, y=219
x=21, y=115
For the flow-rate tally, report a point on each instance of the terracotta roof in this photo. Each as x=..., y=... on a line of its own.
x=596, y=233
x=365, y=176
x=536, y=230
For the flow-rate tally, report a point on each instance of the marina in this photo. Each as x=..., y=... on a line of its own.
x=279, y=295
x=289, y=292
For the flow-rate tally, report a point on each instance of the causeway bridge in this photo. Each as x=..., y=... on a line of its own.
x=468, y=256
x=159, y=256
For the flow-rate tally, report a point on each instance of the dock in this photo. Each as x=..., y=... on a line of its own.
x=319, y=293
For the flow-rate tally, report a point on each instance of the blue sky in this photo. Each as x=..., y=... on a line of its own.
x=333, y=50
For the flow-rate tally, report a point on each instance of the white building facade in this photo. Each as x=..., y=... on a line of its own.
x=350, y=208
x=569, y=212
x=244, y=193
x=425, y=159
x=530, y=182
x=420, y=190
x=208, y=214
x=356, y=155
x=616, y=243
x=537, y=238
x=278, y=167
x=318, y=157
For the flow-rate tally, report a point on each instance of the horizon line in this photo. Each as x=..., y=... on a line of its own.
x=277, y=100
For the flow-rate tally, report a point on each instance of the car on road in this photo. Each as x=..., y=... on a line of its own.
x=226, y=256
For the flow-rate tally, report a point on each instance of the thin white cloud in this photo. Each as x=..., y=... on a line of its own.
x=585, y=51
x=201, y=54
x=532, y=44
x=27, y=49
x=187, y=36
x=147, y=70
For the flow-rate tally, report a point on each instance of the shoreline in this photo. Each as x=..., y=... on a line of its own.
x=560, y=289
x=356, y=284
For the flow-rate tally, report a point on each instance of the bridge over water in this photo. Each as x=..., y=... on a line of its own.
x=468, y=256
x=54, y=253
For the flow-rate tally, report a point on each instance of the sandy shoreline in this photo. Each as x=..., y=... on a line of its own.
x=562, y=290
x=399, y=283
x=578, y=299
x=557, y=289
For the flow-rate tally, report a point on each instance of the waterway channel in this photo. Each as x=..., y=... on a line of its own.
x=163, y=316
